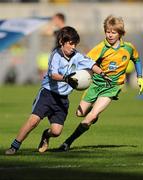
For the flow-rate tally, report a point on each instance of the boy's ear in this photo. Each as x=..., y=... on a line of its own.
x=60, y=42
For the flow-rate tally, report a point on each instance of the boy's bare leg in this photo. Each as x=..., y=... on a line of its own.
x=83, y=108
x=30, y=124
x=99, y=106
x=54, y=131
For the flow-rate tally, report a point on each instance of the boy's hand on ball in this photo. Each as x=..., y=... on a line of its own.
x=73, y=82
x=107, y=79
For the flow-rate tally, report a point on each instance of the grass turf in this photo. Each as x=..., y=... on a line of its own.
x=111, y=149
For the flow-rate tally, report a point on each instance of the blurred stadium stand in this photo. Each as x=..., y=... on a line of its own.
x=72, y=1
x=87, y=18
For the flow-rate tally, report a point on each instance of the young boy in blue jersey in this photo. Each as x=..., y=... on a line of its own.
x=52, y=100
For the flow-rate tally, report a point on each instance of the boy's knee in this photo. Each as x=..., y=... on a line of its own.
x=55, y=133
x=33, y=124
x=80, y=113
x=33, y=121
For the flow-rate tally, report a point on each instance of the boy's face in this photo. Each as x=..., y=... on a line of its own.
x=56, y=21
x=68, y=48
x=112, y=36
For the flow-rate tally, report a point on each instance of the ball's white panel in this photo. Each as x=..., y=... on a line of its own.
x=84, y=78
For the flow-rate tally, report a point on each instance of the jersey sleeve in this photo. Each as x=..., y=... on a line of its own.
x=135, y=54
x=84, y=62
x=96, y=52
x=138, y=67
x=93, y=54
x=135, y=58
x=54, y=63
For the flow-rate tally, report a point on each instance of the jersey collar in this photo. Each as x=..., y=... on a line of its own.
x=109, y=45
x=62, y=55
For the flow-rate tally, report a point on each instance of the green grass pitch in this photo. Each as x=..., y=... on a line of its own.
x=111, y=149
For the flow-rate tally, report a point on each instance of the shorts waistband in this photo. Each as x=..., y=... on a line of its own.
x=62, y=96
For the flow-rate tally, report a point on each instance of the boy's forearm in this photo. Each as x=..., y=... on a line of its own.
x=57, y=77
x=96, y=69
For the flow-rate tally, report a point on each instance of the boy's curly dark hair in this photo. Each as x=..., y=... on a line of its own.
x=67, y=34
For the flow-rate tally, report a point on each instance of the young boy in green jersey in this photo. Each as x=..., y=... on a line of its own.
x=112, y=55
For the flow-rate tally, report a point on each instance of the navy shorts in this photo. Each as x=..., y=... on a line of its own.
x=51, y=105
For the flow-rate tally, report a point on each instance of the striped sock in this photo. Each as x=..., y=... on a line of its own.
x=16, y=144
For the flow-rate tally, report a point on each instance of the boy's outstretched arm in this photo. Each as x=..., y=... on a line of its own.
x=57, y=77
x=98, y=70
x=138, y=67
x=73, y=82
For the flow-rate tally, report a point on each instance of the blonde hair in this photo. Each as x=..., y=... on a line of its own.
x=115, y=23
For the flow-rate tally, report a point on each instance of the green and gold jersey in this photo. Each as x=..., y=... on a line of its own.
x=113, y=61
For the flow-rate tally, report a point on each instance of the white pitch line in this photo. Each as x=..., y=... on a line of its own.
x=41, y=167
x=68, y=166
x=123, y=165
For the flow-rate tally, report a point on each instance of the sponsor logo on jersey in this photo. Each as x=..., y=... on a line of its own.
x=124, y=58
x=73, y=67
x=112, y=66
